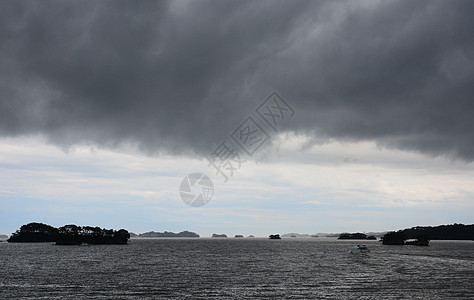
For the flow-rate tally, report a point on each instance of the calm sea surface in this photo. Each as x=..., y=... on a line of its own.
x=237, y=269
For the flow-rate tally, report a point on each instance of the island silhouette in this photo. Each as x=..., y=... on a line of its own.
x=355, y=236
x=421, y=235
x=68, y=235
x=76, y=235
x=216, y=235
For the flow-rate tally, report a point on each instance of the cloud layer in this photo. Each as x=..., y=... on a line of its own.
x=178, y=77
x=326, y=193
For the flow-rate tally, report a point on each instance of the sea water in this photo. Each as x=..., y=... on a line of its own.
x=248, y=268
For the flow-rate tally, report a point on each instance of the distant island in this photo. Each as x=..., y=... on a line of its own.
x=421, y=235
x=355, y=236
x=274, y=237
x=215, y=235
x=337, y=235
x=292, y=234
x=68, y=235
x=167, y=234
x=238, y=236
x=3, y=237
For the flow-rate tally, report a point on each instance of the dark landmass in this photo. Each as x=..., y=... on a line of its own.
x=332, y=235
x=77, y=235
x=423, y=234
x=275, y=237
x=251, y=236
x=238, y=236
x=35, y=233
x=167, y=234
x=352, y=236
x=394, y=238
x=356, y=236
x=398, y=238
x=215, y=235
x=443, y=232
x=68, y=235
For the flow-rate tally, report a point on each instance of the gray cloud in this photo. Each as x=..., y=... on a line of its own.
x=179, y=77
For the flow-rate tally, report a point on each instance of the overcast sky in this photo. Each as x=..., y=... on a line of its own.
x=106, y=106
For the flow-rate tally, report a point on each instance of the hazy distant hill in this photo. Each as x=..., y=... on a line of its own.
x=328, y=235
x=3, y=237
x=168, y=234
x=299, y=235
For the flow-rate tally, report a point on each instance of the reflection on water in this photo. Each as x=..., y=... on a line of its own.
x=237, y=268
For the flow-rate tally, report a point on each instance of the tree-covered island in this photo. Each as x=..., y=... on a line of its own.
x=355, y=236
x=421, y=235
x=68, y=235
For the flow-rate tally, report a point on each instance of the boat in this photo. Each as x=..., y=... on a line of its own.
x=360, y=249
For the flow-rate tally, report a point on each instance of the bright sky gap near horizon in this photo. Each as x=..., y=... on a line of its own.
x=106, y=106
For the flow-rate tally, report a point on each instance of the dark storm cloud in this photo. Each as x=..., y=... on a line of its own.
x=180, y=76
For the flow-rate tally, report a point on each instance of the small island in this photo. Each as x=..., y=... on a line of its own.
x=355, y=236
x=68, y=235
x=215, y=235
x=238, y=236
x=275, y=237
